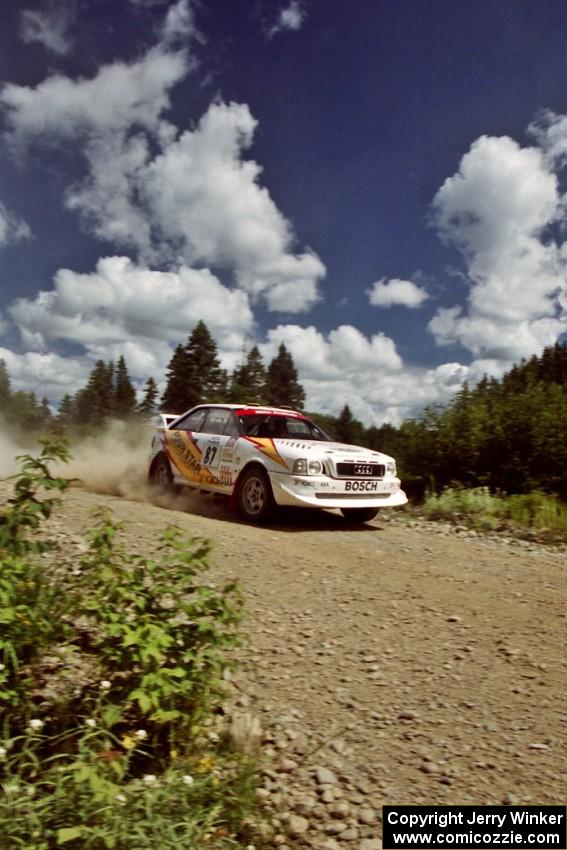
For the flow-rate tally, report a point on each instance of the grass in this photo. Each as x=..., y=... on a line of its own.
x=482, y=509
x=111, y=675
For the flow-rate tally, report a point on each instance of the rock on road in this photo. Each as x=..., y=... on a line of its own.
x=388, y=664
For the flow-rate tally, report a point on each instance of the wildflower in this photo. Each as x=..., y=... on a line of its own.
x=120, y=798
x=3, y=753
x=205, y=765
x=141, y=734
x=149, y=779
x=2, y=667
x=36, y=725
x=128, y=742
x=90, y=722
x=173, y=754
x=105, y=685
x=188, y=780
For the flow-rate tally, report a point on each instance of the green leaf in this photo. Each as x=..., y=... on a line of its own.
x=143, y=700
x=111, y=715
x=68, y=833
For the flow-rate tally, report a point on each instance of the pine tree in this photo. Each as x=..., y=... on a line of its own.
x=148, y=405
x=282, y=386
x=66, y=411
x=194, y=374
x=25, y=411
x=347, y=428
x=248, y=381
x=178, y=382
x=208, y=379
x=124, y=392
x=4, y=387
x=46, y=414
x=95, y=402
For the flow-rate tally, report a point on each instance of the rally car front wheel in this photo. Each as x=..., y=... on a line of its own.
x=255, y=499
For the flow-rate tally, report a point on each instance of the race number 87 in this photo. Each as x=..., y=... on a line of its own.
x=210, y=455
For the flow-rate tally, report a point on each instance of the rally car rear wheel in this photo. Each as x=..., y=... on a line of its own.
x=255, y=499
x=356, y=516
x=161, y=476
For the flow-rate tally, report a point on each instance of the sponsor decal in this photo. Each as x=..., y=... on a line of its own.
x=225, y=476
x=362, y=486
x=267, y=446
x=228, y=450
x=187, y=457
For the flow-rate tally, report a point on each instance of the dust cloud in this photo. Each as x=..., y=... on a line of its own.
x=10, y=447
x=113, y=462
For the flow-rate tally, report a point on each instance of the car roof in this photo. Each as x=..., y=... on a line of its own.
x=252, y=408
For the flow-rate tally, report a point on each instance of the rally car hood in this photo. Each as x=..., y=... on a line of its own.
x=338, y=451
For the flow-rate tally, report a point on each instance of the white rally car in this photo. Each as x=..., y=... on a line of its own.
x=261, y=457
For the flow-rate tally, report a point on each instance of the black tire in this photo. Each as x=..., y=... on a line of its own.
x=161, y=476
x=358, y=516
x=255, y=498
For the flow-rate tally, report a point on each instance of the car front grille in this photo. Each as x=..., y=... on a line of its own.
x=360, y=470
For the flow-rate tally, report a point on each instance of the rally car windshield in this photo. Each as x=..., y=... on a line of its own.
x=281, y=427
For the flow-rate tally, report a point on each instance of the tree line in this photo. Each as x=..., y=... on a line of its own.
x=509, y=434
x=194, y=375
x=22, y=407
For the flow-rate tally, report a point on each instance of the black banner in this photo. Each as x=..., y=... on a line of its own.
x=479, y=827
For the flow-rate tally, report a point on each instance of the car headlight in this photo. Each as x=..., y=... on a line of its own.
x=305, y=467
x=391, y=468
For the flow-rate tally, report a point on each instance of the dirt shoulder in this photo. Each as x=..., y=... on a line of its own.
x=388, y=664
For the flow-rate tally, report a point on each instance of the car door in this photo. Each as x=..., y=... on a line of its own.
x=216, y=441
x=183, y=447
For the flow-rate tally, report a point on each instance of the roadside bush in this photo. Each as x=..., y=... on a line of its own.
x=482, y=509
x=122, y=748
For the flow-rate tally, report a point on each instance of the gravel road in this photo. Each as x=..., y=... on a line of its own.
x=391, y=664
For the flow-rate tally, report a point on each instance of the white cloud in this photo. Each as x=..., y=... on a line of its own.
x=367, y=373
x=289, y=18
x=106, y=200
x=207, y=201
x=119, y=97
x=47, y=374
x=179, y=24
x=12, y=228
x=498, y=209
x=123, y=304
x=550, y=133
x=50, y=28
x=404, y=293
x=197, y=199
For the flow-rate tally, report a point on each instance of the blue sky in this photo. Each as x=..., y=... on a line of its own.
x=377, y=184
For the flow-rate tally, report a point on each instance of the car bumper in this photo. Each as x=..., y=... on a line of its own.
x=322, y=492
